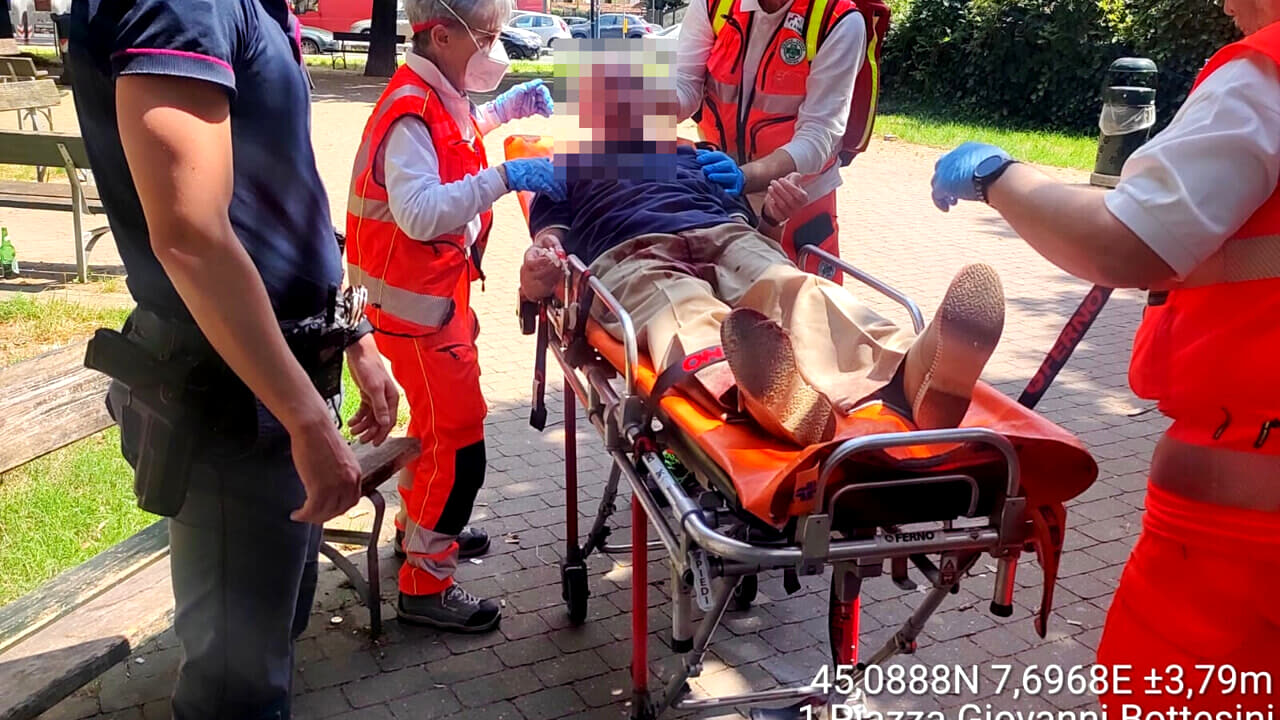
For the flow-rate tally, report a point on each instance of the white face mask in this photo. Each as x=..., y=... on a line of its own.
x=485, y=70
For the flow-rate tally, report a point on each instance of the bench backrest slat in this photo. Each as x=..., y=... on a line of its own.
x=48, y=402
x=18, y=67
x=41, y=148
x=29, y=95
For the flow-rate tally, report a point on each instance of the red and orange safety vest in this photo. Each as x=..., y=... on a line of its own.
x=1209, y=352
x=779, y=87
x=416, y=285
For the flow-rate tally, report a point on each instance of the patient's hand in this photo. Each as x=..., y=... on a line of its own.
x=783, y=199
x=542, y=268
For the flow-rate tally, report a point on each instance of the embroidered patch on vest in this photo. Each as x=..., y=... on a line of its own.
x=792, y=51
x=794, y=22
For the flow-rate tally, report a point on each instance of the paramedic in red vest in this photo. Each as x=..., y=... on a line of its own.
x=419, y=216
x=771, y=82
x=1195, y=219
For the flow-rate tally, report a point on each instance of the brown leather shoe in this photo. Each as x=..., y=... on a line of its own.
x=769, y=382
x=945, y=361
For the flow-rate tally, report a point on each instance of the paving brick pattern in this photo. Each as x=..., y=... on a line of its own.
x=536, y=666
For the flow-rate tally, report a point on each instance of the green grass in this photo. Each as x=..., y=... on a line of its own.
x=1045, y=148
x=62, y=509
x=29, y=327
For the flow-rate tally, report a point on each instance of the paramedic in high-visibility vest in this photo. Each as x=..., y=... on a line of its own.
x=770, y=83
x=418, y=219
x=1195, y=220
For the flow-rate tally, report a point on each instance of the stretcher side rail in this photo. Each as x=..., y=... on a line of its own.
x=917, y=317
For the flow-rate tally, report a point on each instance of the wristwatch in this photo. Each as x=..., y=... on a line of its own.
x=987, y=172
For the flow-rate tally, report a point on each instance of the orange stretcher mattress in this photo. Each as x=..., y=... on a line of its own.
x=765, y=472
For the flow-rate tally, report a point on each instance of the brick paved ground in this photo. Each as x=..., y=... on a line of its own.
x=537, y=667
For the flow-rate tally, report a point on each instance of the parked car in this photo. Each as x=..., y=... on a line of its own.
x=671, y=32
x=521, y=44
x=317, y=40
x=572, y=20
x=403, y=28
x=548, y=27
x=611, y=25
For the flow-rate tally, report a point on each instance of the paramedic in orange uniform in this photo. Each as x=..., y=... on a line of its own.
x=770, y=82
x=1196, y=220
x=418, y=220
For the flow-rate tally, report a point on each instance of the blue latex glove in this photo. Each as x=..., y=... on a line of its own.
x=524, y=100
x=722, y=170
x=953, y=173
x=534, y=175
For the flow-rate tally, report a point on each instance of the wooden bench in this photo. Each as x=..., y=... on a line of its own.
x=13, y=68
x=93, y=616
x=362, y=46
x=29, y=100
x=50, y=149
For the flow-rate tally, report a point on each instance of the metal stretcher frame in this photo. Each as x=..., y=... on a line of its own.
x=722, y=567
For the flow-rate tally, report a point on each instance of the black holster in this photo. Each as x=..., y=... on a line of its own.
x=176, y=401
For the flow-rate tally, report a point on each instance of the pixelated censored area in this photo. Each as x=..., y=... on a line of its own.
x=623, y=96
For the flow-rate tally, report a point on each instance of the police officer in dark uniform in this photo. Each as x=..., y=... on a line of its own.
x=196, y=115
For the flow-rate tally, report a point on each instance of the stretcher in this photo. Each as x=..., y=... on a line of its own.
x=728, y=502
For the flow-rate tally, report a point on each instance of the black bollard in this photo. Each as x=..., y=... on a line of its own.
x=1128, y=113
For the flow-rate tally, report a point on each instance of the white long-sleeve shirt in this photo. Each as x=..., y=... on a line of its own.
x=824, y=112
x=422, y=206
x=1192, y=186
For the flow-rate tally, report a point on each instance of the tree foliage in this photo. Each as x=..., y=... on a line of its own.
x=1042, y=63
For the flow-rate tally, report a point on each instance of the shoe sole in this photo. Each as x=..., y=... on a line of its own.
x=970, y=323
x=783, y=402
x=424, y=621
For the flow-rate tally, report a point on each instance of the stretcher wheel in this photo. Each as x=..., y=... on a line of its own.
x=745, y=593
x=573, y=589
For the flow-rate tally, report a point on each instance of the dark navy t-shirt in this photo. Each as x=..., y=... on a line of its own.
x=249, y=47
x=602, y=214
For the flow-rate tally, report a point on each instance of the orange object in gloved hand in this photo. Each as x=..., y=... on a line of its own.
x=814, y=224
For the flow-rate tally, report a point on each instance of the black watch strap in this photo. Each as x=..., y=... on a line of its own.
x=983, y=182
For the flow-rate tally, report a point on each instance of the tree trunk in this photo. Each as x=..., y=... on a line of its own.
x=382, y=40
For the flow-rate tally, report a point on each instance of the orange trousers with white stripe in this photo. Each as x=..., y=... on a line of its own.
x=440, y=376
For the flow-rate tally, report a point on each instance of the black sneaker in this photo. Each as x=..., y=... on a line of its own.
x=472, y=542
x=454, y=610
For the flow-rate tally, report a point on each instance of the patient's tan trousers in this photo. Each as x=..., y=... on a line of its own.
x=679, y=288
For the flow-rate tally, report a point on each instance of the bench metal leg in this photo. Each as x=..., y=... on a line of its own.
x=370, y=590
x=93, y=236
x=77, y=205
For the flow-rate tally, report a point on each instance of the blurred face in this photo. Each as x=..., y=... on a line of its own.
x=1252, y=15
x=618, y=107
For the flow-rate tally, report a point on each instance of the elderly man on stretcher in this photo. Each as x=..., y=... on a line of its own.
x=696, y=268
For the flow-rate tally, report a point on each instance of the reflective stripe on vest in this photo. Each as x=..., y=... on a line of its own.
x=1243, y=260
x=385, y=105
x=417, y=308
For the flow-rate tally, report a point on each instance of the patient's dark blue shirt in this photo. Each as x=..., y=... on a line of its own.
x=602, y=214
